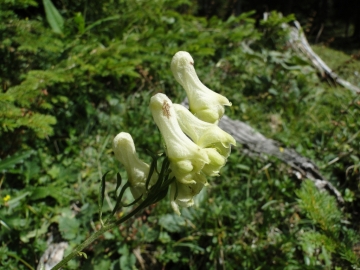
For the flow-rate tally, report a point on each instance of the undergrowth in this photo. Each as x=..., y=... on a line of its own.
x=64, y=96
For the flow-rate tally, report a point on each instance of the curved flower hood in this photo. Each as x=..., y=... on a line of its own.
x=137, y=170
x=202, y=133
x=203, y=102
x=185, y=156
x=185, y=195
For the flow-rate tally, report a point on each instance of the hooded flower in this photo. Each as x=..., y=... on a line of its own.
x=195, y=146
x=137, y=170
x=204, y=134
x=185, y=195
x=204, y=103
x=217, y=161
x=186, y=158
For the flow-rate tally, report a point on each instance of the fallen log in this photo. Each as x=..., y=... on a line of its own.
x=299, y=43
x=256, y=143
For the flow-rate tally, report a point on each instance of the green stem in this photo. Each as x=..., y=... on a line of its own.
x=97, y=234
x=19, y=259
x=156, y=193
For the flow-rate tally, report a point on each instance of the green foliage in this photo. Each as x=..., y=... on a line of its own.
x=317, y=247
x=64, y=97
x=320, y=207
x=10, y=162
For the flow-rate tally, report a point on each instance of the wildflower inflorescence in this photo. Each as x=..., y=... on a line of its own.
x=194, y=144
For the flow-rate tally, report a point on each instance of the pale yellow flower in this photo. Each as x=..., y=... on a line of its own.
x=185, y=195
x=137, y=170
x=204, y=134
x=217, y=161
x=203, y=102
x=186, y=158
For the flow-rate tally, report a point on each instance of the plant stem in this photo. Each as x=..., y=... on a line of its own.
x=97, y=234
x=19, y=259
x=156, y=193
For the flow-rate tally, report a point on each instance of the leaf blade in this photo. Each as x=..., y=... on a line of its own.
x=53, y=17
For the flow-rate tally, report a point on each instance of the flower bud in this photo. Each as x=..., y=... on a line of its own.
x=137, y=170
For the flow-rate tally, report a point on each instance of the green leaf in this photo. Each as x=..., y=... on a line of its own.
x=118, y=200
x=127, y=260
x=43, y=192
x=151, y=171
x=172, y=223
x=118, y=182
x=25, y=237
x=10, y=162
x=148, y=234
x=98, y=22
x=161, y=194
x=101, y=194
x=193, y=247
x=79, y=20
x=134, y=202
x=13, y=203
x=53, y=17
x=69, y=227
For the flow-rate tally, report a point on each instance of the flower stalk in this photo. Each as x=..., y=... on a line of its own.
x=154, y=194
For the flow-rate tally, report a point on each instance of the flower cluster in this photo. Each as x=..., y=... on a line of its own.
x=194, y=144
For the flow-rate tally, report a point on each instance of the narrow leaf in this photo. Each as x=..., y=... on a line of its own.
x=80, y=21
x=101, y=195
x=154, y=158
x=161, y=195
x=118, y=182
x=10, y=162
x=53, y=17
x=134, y=202
x=151, y=171
x=164, y=168
x=118, y=200
x=98, y=22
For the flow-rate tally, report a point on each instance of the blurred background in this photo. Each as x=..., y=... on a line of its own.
x=74, y=74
